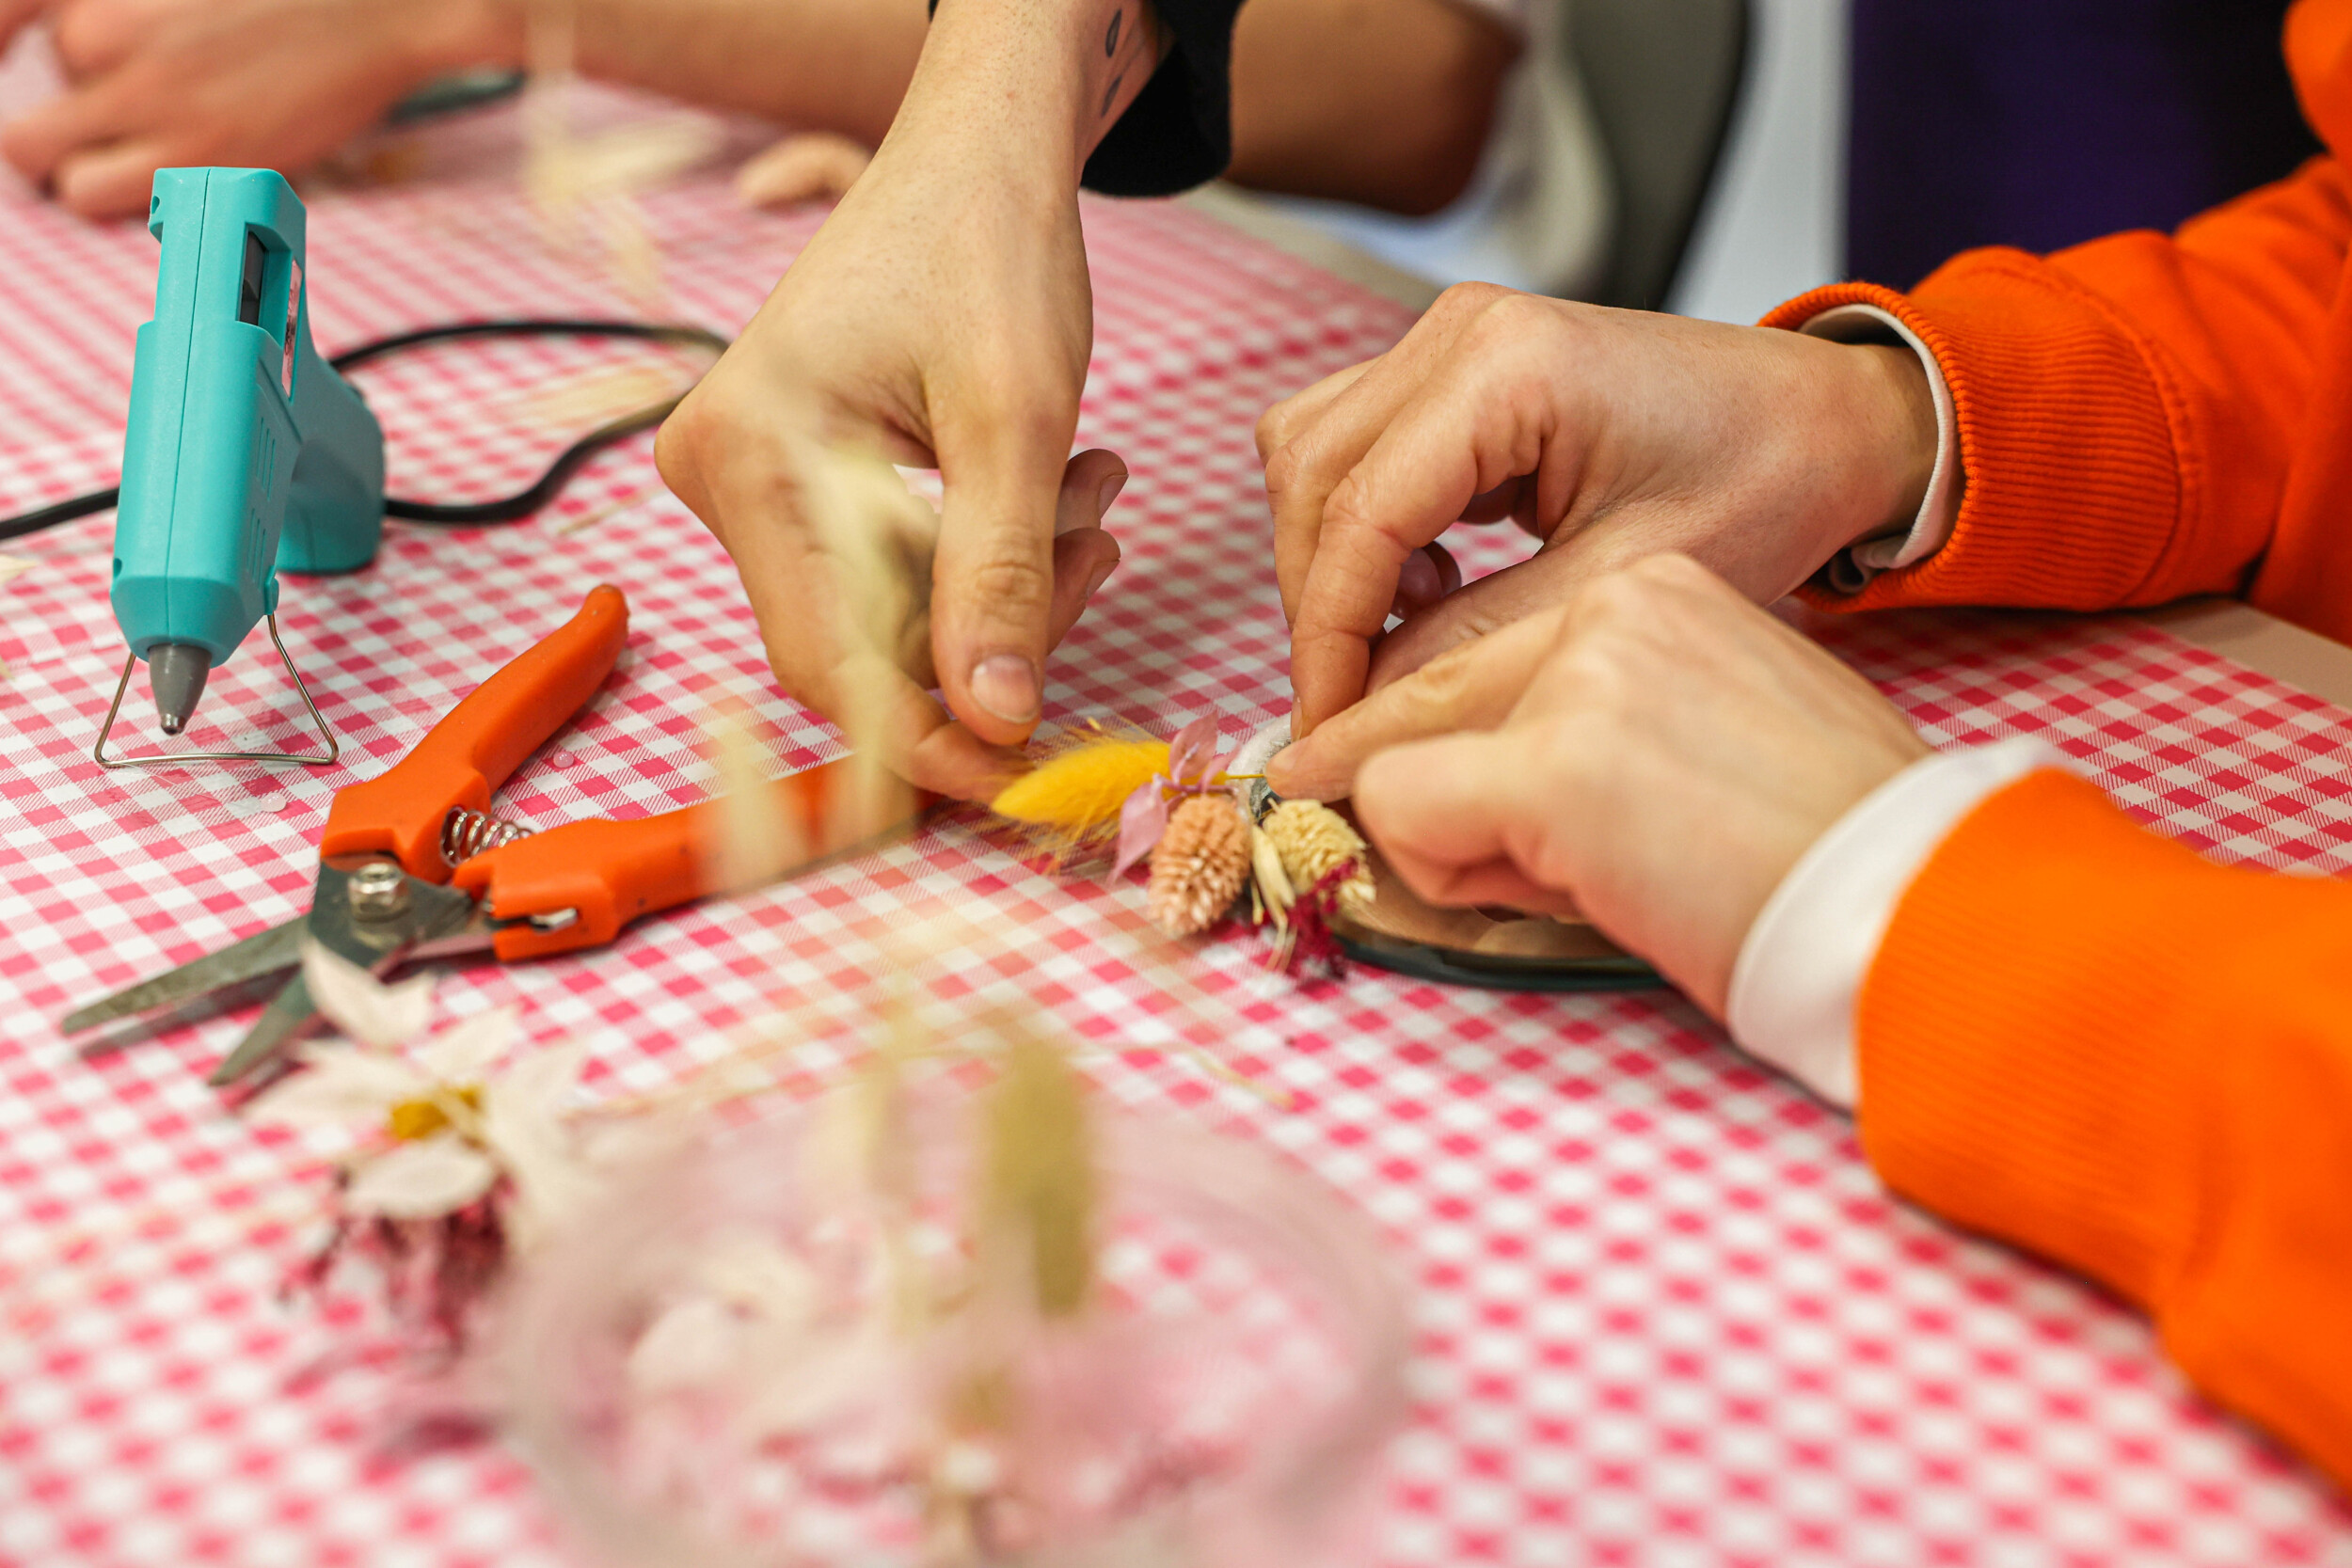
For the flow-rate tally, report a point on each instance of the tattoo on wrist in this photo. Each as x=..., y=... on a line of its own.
x=1143, y=38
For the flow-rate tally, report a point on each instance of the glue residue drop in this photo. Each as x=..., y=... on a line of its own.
x=268, y=803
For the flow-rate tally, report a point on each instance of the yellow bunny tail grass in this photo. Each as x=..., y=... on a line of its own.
x=1071, y=799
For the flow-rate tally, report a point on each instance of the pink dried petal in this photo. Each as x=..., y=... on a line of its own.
x=1188, y=754
x=1141, y=821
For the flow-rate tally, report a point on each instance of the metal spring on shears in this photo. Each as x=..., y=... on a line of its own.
x=467, y=834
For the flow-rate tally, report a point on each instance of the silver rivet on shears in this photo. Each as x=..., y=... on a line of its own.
x=377, y=891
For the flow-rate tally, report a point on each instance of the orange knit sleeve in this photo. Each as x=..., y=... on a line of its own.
x=2126, y=408
x=2084, y=1039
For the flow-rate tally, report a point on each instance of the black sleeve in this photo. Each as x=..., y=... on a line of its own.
x=1179, y=131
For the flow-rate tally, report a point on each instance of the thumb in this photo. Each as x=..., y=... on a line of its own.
x=993, y=584
x=1472, y=688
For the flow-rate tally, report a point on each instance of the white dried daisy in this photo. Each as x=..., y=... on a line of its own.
x=437, y=1123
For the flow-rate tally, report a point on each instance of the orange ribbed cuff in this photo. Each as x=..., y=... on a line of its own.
x=2073, y=479
x=2002, y=1030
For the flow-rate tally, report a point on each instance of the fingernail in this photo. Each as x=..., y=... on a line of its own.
x=1006, y=685
x=1108, y=493
x=1285, y=766
x=1102, y=574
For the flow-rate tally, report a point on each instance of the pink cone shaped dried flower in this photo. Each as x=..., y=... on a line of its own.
x=1199, y=865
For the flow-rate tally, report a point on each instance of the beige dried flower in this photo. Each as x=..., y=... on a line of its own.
x=1199, y=865
x=1314, y=840
x=1275, y=893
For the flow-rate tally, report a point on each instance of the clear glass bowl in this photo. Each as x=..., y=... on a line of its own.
x=719, y=1370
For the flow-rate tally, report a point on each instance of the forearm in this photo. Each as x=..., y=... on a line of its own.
x=1041, y=80
x=1387, y=103
x=836, y=65
x=1034, y=79
x=2085, y=1039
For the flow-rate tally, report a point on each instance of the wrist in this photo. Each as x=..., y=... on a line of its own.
x=1039, y=81
x=1901, y=433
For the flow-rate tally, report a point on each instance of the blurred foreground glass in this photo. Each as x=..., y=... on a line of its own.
x=725, y=1368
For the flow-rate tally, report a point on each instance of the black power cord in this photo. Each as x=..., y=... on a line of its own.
x=504, y=510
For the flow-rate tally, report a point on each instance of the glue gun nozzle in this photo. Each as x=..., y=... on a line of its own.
x=176, y=673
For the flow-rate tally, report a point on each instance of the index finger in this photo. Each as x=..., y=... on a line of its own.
x=1323, y=432
x=1473, y=427
x=1472, y=688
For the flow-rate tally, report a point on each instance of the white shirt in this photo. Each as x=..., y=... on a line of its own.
x=1800, y=970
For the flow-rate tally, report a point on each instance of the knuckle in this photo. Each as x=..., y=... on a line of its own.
x=1507, y=317
x=676, y=456
x=1349, y=509
x=1274, y=431
x=1467, y=299
x=1444, y=683
x=1008, y=583
x=692, y=443
x=77, y=33
x=1671, y=570
x=1570, y=755
x=1623, y=600
x=1281, y=472
x=1032, y=419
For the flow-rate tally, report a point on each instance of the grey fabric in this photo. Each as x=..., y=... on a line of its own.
x=1663, y=77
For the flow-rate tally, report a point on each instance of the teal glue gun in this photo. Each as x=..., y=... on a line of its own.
x=246, y=455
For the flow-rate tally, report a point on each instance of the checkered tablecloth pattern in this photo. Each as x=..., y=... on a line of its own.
x=1666, y=1315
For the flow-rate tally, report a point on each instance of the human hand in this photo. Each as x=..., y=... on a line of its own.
x=15, y=15
x=943, y=317
x=1609, y=435
x=1655, y=753
x=935, y=324
x=277, y=84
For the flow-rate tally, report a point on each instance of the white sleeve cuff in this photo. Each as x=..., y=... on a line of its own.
x=1799, y=972
x=1853, y=567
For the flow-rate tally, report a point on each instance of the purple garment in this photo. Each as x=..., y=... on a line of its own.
x=2041, y=123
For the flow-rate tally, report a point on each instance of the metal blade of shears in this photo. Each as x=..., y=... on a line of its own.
x=279, y=947
x=369, y=912
x=288, y=1014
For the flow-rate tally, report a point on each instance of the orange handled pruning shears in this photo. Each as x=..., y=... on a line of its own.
x=396, y=883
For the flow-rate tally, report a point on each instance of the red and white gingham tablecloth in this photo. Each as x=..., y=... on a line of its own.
x=1666, y=1315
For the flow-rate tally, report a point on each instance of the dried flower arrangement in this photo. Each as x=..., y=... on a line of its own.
x=1174, y=804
